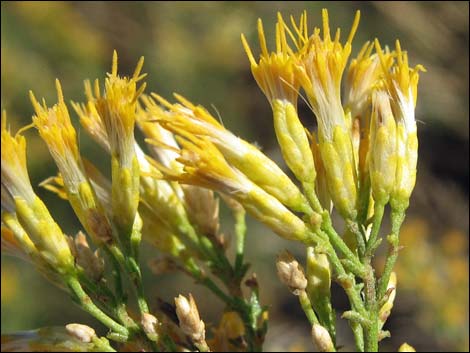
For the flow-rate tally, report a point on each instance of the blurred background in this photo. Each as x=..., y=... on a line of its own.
x=195, y=49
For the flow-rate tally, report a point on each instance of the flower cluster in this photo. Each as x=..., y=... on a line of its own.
x=362, y=156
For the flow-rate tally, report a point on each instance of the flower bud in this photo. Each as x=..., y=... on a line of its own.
x=83, y=333
x=322, y=339
x=401, y=82
x=57, y=131
x=290, y=272
x=318, y=274
x=383, y=148
x=384, y=311
x=149, y=324
x=188, y=317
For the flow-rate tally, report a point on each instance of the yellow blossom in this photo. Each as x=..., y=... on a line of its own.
x=383, y=148
x=320, y=66
x=117, y=111
x=32, y=214
x=57, y=131
x=204, y=165
x=276, y=76
x=186, y=118
x=15, y=178
x=401, y=83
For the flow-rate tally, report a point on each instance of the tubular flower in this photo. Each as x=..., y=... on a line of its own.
x=321, y=63
x=167, y=151
x=186, y=118
x=362, y=76
x=57, y=131
x=117, y=110
x=383, y=148
x=401, y=83
x=160, y=195
x=31, y=212
x=275, y=75
x=204, y=165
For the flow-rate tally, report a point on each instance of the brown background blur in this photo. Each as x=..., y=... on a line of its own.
x=195, y=49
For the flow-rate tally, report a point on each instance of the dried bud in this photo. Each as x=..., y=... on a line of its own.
x=386, y=308
x=150, y=323
x=203, y=209
x=83, y=333
x=188, y=317
x=405, y=347
x=290, y=272
x=90, y=261
x=321, y=339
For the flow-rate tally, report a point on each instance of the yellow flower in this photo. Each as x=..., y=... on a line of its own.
x=32, y=214
x=204, y=165
x=15, y=178
x=117, y=111
x=276, y=76
x=321, y=63
x=89, y=117
x=167, y=151
x=187, y=119
x=362, y=78
x=320, y=66
x=57, y=131
x=275, y=72
x=401, y=83
x=383, y=148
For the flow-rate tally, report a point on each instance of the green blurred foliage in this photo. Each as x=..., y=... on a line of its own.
x=195, y=50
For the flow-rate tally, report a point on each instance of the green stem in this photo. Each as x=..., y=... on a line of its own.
x=307, y=308
x=87, y=304
x=345, y=280
x=133, y=270
x=378, y=216
x=113, y=254
x=309, y=189
x=102, y=344
x=354, y=228
x=354, y=264
x=358, y=335
x=397, y=218
x=372, y=330
x=99, y=292
x=240, y=233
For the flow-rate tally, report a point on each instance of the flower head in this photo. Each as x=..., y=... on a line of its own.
x=274, y=72
x=401, y=83
x=33, y=218
x=57, y=131
x=15, y=178
x=321, y=63
x=117, y=110
x=185, y=119
x=383, y=147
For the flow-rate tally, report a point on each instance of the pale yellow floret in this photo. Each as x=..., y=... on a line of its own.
x=14, y=238
x=321, y=63
x=383, y=148
x=274, y=72
x=205, y=166
x=186, y=118
x=362, y=76
x=401, y=83
x=117, y=110
x=57, y=131
x=89, y=117
x=15, y=178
